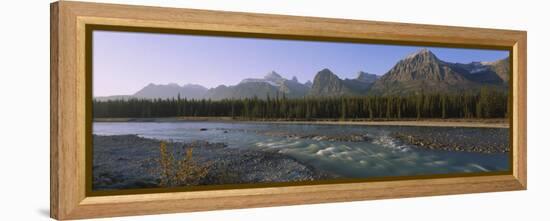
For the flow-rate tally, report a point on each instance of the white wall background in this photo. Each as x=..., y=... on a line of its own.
x=24, y=109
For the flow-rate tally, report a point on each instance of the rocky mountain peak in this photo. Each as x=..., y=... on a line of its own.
x=422, y=65
x=273, y=76
x=326, y=83
x=325, y=76
x=325, y=72
x=422, y=71
x=422, y=56
x=421, y=52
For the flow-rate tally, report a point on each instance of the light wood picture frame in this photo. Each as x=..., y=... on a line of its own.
x=71, y=108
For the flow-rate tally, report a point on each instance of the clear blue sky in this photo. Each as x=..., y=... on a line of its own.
x=124, y=62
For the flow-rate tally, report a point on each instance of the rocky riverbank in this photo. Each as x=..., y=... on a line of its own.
x=127, y=162
x=317, y=137
x=493, y=141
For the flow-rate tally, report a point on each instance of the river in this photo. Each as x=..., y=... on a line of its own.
x=380, y=156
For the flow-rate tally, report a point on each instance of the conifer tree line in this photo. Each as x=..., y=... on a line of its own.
x=485, y=103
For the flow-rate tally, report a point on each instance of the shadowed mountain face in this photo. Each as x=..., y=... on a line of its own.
x=501, y=68
x=496, y=72
x=366, y=77
x=251, y=89
x=419, y=72
x=327, y=84
x=477, y=72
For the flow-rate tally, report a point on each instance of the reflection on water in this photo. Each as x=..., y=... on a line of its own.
x=381, y=155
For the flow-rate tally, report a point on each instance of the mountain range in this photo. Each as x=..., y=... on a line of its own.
x=420, y=71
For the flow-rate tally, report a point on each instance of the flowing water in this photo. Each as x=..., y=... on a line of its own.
x=382, y=155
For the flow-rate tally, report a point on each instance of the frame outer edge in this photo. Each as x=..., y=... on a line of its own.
x=54, y=103
x=522, y=110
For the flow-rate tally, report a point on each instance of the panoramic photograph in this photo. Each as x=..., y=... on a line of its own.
x=176, y=110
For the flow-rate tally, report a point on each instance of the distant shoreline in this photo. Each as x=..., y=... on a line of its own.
x=479, y=123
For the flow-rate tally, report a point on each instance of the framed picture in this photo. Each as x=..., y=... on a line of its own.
x=160, y=110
